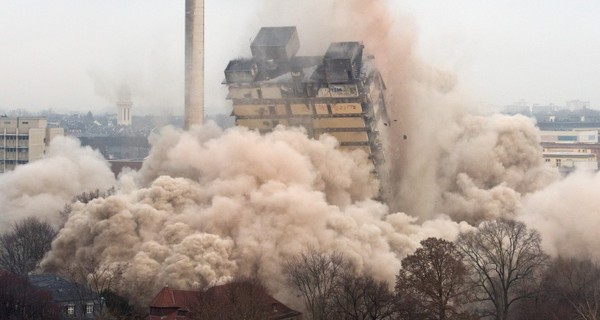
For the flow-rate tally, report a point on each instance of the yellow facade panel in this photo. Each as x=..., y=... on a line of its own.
x=365, y=149
x=258, y=110
x=321, y=108
x=336, y=123
x=270, y=92
x=249, y=110
x=261, y=124
x=350, y=136
x=301, y=109
x=346, y=108
x=243, y=93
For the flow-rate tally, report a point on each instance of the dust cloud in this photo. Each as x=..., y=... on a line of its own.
x=42, y=188
x=440, y=157
x=209, y=205
x=567, y=214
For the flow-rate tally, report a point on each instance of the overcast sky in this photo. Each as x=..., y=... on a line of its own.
x=75, y=54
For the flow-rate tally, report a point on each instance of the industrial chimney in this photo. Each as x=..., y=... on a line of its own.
x=194, y=63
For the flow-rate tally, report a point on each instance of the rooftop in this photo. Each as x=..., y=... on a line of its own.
x=343, y=50
x=273, y=36
x=61, y=289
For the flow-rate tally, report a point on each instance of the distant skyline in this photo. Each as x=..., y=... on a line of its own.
x=70, y=55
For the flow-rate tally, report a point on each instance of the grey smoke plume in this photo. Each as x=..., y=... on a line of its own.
x=43, y=187
x=209, y=205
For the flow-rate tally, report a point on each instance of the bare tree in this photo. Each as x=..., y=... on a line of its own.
x=505, y=258
x=435, y=277
x=362, y=298
x=84, y=197
x=315, y=276
x=577, y=283
x=95, y=275
x=24, y=246
x=19, y=299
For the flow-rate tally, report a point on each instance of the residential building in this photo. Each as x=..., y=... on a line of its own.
x=23, y=140
x=569, y=137
x=229, y=301
x=76, y=300
x=340, y=93
x=577, y=104
x=571, y=150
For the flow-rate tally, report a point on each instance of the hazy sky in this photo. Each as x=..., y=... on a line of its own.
x=75, y=54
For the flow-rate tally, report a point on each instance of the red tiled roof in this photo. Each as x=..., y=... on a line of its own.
x=175, y=300
x=169, y=298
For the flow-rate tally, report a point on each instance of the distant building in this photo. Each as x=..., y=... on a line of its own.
x=577, y=105
x=566, y=120
x=574, y=136
x=229, y=301
x=76, y=300
x=124, y=107
x=571, y=150
x=23, y=140
x=339, y=93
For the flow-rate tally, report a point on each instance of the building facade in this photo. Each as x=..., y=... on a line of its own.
x=339, y=93
x=23, y=140
x=571, y=150
x=74, y=300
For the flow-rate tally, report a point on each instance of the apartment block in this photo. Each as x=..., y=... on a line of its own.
x=23, y=140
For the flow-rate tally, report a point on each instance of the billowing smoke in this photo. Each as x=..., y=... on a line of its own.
x=42, y=188
x=481, y=170
x=567, y=214
x=441, y=158
x=209, y=205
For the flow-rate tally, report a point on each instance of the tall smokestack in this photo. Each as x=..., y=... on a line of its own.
x=194, y=62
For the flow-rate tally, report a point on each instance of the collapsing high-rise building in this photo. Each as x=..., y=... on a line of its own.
x=340, y=93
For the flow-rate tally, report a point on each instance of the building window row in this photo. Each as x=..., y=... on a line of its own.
x=89, y=309
x=13, y=149
x=12, y=161
x=14, y=137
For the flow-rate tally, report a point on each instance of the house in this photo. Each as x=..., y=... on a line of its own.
x=75, y=300
x=235, y=300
